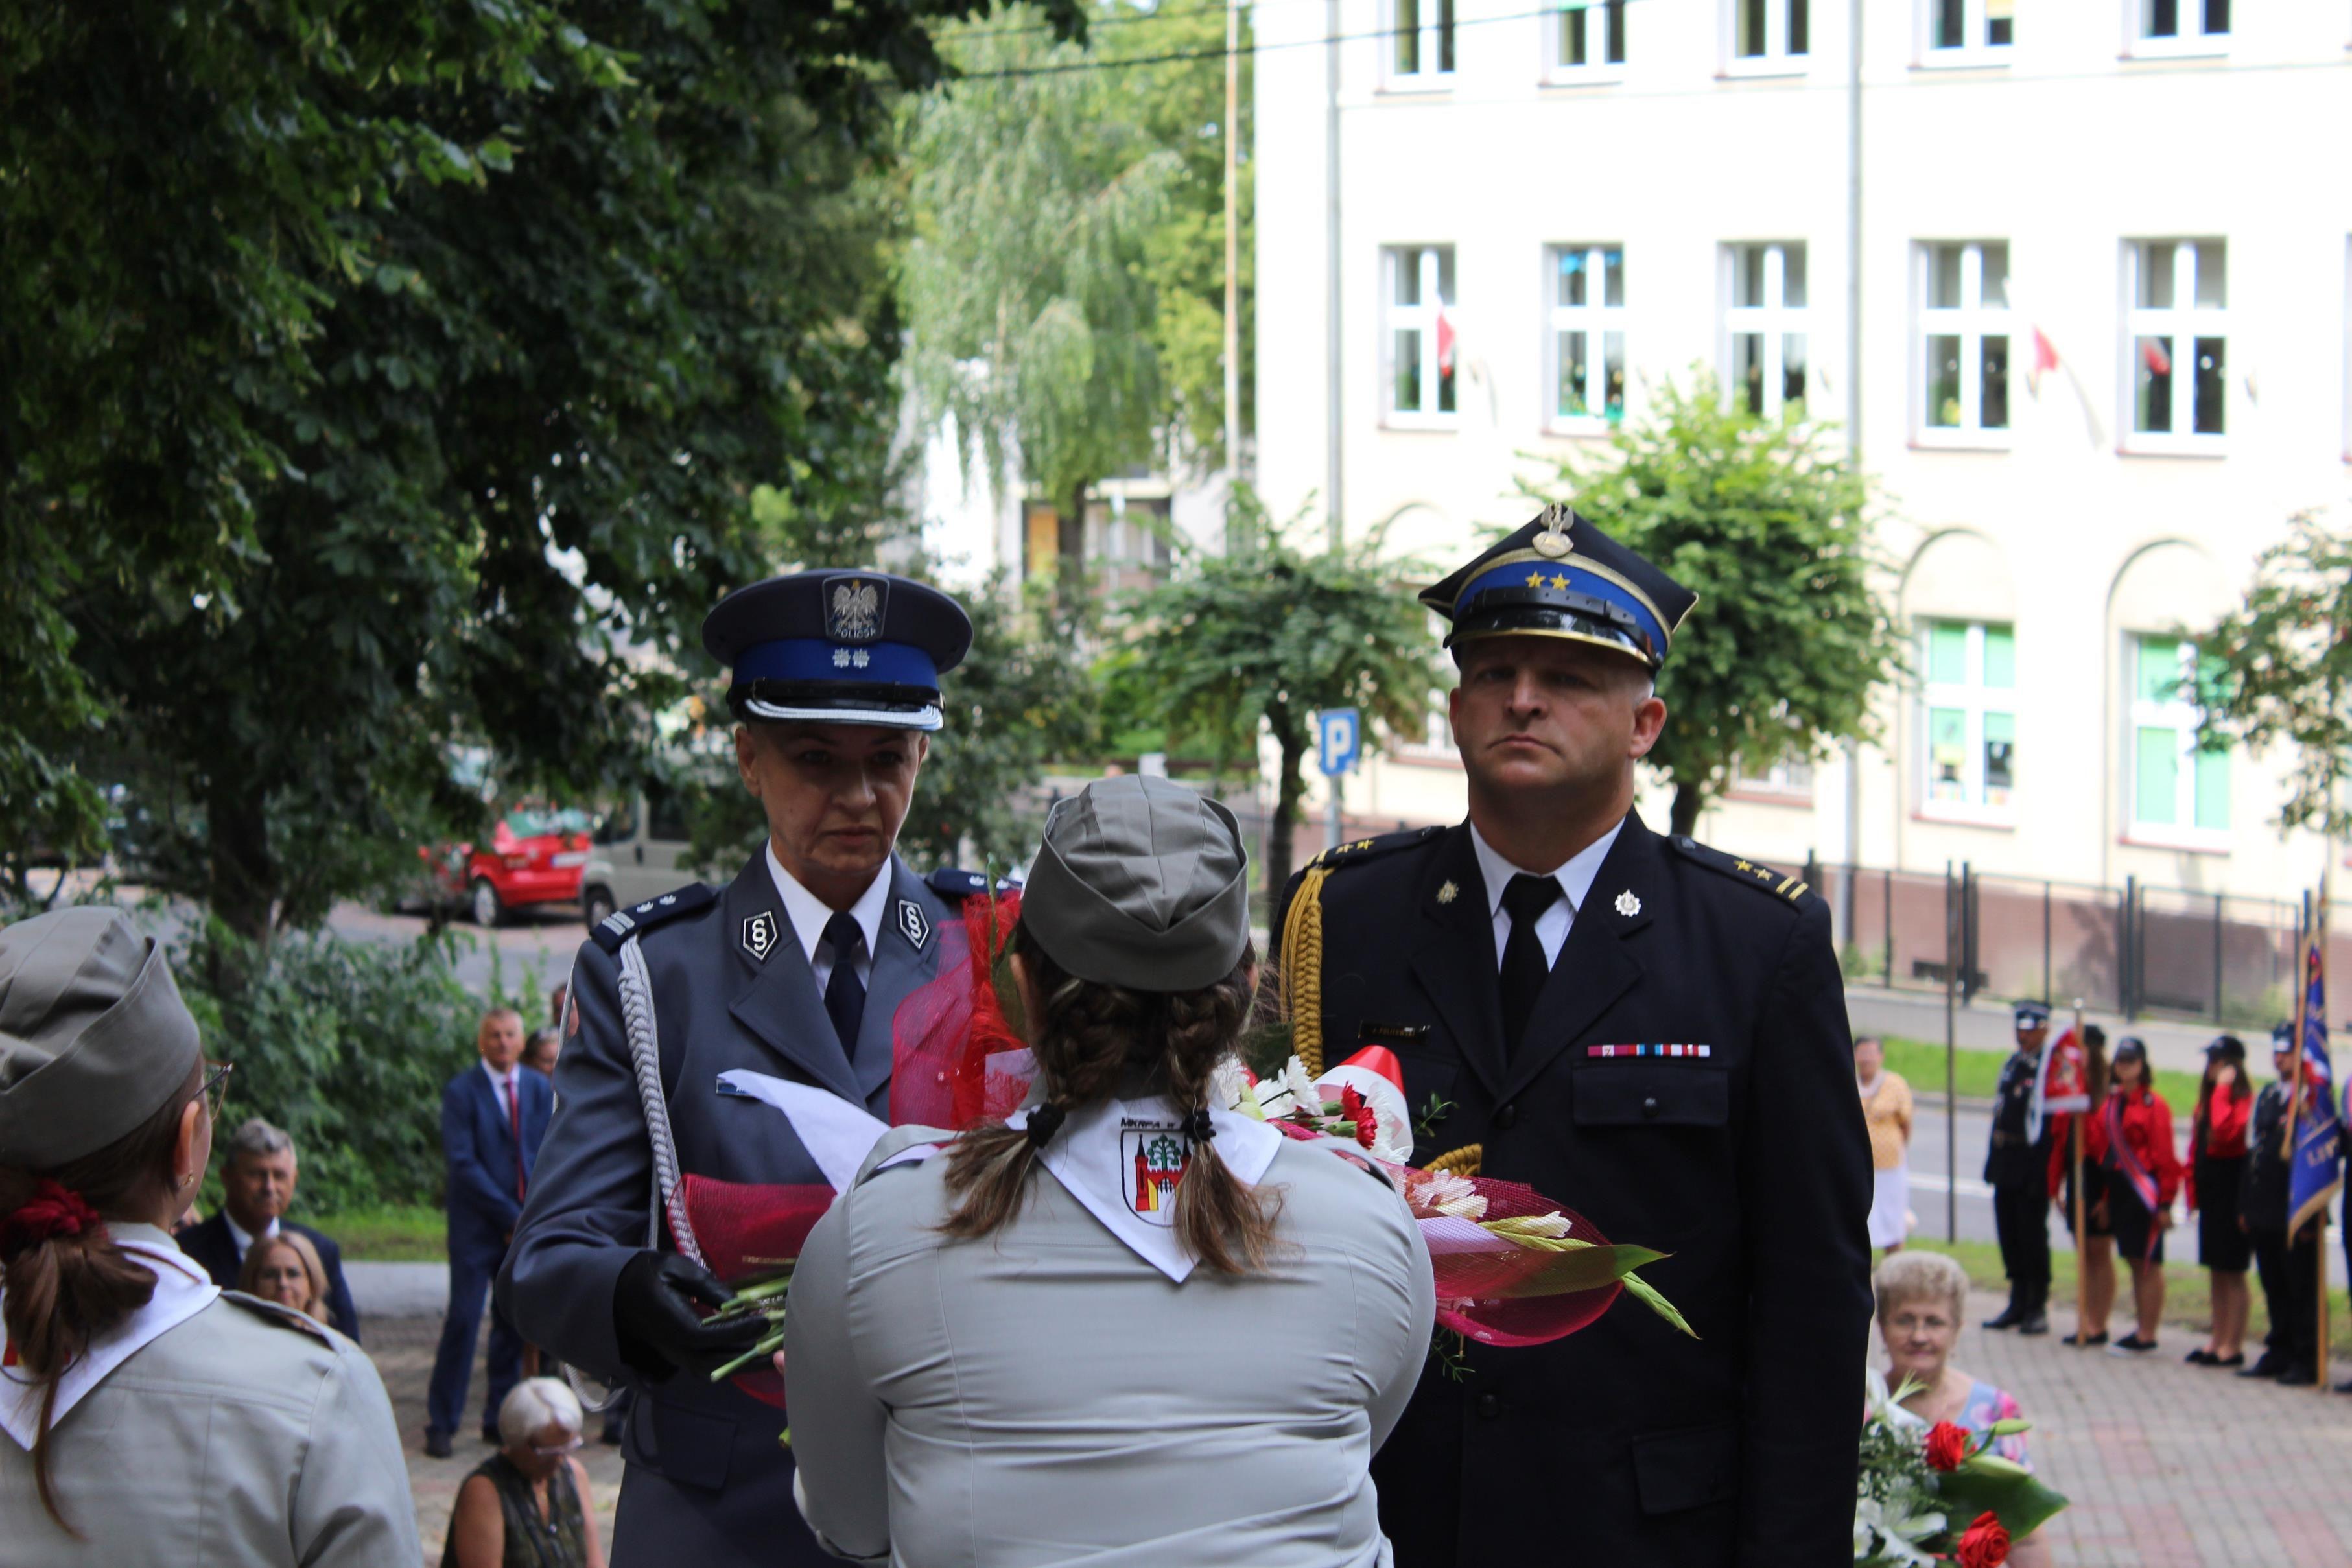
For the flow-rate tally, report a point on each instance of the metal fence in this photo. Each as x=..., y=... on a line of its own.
x=2137, y=950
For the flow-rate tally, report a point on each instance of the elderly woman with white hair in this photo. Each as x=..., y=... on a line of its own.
x=528, y=1505
x=1921, y=1297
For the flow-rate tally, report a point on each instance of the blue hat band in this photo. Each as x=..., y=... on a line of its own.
x=1548, y=575
x=819, y=659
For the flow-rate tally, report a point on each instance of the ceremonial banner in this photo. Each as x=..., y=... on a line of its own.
x=2061, y=1084
x=2316, y=1140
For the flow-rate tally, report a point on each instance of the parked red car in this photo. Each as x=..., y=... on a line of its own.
x=533, y=857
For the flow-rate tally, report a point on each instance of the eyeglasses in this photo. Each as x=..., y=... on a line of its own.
x=560, y=1449
x=214, y=1090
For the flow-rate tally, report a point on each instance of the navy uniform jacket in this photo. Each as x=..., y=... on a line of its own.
x=2009, y=1160
x=707, y=1482
x=1628, y=1443
x=211, y=1245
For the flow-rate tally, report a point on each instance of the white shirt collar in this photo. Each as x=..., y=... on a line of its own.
x=237, y=1233
x=1575, y=877
x=501, y=1082
x=809, y=914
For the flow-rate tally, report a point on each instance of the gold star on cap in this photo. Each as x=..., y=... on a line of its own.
x=1627, y=905
x=1447, y=893
x=1535, y=579
x=1559, y=580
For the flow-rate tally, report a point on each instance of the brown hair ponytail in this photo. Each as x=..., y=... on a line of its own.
x=1087, y=1034
x=65, y=1291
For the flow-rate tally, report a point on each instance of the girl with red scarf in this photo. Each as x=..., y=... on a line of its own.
x=2131, y=1138
x=2217, y=1168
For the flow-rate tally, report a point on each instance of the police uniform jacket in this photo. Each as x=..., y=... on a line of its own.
x=2009, y=1160
x=1628, y=1443
x=247, y=1435
x=707, y=1481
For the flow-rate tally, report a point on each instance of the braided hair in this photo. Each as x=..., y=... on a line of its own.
x=1085, y=1035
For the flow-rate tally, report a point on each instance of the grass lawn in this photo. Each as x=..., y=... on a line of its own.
x=2188, y=1296
x=386, y=1233
x=1977, y=1071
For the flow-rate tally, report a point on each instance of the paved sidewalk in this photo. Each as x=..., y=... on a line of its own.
x=2167, y=1465
x=2172, y=1466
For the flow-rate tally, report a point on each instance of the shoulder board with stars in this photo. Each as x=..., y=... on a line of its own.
x=955, y=885
x=638, y=918
x=1364, y=849
x=1754, y=873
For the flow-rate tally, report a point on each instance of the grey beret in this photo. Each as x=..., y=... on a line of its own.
x=1141, y=883
x=93, y=1035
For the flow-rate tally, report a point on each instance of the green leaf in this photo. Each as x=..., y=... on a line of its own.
x=1642, y=1290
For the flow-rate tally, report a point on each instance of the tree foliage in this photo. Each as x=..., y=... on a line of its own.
x=2278, y=670
x=376, y=375
x=1266, y=632
x=1766, y=521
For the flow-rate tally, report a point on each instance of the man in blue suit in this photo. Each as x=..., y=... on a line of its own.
x=257, y=1188
x=492, y=1120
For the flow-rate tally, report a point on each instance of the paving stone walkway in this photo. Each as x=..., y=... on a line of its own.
x=2167, y=1465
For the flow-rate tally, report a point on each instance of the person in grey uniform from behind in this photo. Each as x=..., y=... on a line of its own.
x=796, y=970
x=1179, y=1342
x=146, y=1414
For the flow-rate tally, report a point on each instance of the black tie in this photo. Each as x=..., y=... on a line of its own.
x=1524, y=970
x=845, y=994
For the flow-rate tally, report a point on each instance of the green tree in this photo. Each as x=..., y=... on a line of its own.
x=2278, y=670
x=1029, y=305
x=1268, y=633
x=1767, y=522
x=381, y=376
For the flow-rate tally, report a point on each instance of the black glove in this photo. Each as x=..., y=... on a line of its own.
x=658, y=1328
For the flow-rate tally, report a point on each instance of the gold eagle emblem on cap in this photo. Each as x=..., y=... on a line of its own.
x=1553, y=543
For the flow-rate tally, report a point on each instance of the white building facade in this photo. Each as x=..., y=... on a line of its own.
x=1543, y=214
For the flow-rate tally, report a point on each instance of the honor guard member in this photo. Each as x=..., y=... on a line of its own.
x=1644, y=1029
x=796, y=969
x=2017, y=1165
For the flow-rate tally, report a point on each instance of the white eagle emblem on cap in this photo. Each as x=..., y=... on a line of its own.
x=855, y=613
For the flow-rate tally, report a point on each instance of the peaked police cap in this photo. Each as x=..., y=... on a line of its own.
x=1560, y=576
x=838, y=647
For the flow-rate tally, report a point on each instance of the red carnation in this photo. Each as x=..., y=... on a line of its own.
x=1352, y=1106
x=1948, y=1446
x=1984, y=1545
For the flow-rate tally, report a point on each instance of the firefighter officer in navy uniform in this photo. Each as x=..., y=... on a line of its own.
x=794, y=969
x=1527, y=967
x=2017, y=1165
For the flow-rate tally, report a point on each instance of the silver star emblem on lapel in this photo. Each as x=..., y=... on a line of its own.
x=1447, y=893
x=1627, y=905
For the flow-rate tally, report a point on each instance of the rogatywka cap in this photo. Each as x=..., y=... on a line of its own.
x=1141, y=883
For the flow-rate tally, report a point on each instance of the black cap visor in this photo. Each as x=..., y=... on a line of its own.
x=835, y=702
x=1552, y=612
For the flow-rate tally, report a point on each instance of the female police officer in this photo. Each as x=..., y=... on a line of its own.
x=149, y=1415
x=796, y=969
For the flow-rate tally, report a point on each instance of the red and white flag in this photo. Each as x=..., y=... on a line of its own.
x=2045, y=358
x=1444, y=342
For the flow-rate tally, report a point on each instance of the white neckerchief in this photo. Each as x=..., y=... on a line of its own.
x=1120, y=1158
x=809, y=915
x=244, y=1239
x=182, y=1291
x=1575, y=879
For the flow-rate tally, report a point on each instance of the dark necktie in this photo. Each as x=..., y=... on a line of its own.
x=845, y=994
x=514, y=1125
x=1524, y=970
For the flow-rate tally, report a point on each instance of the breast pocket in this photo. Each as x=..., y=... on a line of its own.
x=1673, y=1094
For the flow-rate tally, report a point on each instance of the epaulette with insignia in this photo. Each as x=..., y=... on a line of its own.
x=955, y=885
x=1763, y=877
x=638, y=918
x=1364, y=849
x=284, y=1316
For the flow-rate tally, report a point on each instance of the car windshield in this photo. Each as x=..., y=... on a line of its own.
x=532, y=821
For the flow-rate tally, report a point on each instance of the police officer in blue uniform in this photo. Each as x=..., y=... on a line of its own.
x=796, y=969
x=2017, y=1165
x=1644, y=1028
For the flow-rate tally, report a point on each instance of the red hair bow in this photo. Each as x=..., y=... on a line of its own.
x=54, y=1209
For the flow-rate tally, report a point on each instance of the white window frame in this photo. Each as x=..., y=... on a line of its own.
x=1437, y=25
x=2189, y=41
x=1972, y=324
x=2176, y=714
x=1421, y=319
x=2181, y=327
x=1773, y=319
x=1975, y=699
x=1596, y=319
x=1974, y=49
x=1775, y=60
x=1604, y=30
x=1788, y=783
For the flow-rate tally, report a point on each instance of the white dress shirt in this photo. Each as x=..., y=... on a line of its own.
x=1575, y=879
x=245, y=1241
x=504, y=1089
x=809, y=914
